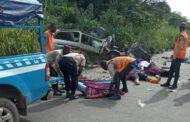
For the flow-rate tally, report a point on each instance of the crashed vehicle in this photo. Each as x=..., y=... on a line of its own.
x=88, y=42
x=78, y=39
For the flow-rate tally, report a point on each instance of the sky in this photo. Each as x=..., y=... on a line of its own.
x=182, y=6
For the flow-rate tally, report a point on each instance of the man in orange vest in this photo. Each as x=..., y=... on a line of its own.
x=49, y=46
x=179, y=53
x=48, y=36
x=118, y=67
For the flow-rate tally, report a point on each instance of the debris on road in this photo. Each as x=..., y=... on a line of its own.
x=141, y=104
x=149, y=89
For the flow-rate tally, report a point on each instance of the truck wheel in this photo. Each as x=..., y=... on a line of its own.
x=8, y=111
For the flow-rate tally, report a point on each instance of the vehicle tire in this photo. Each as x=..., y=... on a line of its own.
x=48, y=96
x=8, y=111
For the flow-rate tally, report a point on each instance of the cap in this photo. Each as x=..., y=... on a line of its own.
x=67, y=49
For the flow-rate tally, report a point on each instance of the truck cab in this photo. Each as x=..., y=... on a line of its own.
x=23, y=78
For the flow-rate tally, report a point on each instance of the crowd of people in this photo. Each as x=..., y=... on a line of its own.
x=65, y=63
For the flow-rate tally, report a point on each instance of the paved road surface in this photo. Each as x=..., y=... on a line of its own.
x=161, y=105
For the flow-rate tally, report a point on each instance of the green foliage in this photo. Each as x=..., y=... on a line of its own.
x=147, y=22
x=15, y=42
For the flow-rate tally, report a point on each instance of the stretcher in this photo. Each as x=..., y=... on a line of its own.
x=81, y=86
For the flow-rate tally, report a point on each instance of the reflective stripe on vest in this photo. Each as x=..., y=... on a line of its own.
x=121, y=62
x=183, y=50
x=50, y=42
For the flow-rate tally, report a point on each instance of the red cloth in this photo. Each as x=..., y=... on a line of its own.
x=96, y=90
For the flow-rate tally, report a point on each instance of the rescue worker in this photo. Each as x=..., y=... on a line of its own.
x=71, y=66
x=118, y=67
x=49, y=39
x=179, y=53
x=49, y=46
x=53, y=58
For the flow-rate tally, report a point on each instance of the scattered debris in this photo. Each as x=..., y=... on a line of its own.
x=170, y=90
x=93, y=66
x=141, y=104
x=149, y=89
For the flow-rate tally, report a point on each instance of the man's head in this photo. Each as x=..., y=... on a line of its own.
x=66, y=49
x=182, y=26
x=103, y=64
x=52, y=27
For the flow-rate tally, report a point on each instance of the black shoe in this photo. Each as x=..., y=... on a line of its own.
x=72, y=97
x=125, y=90
x=67, y=94
x=173, y=87
x=56, y=93
x=165, y=84
x=115, y=97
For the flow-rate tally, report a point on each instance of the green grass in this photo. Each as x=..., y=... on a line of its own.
x=15, y=41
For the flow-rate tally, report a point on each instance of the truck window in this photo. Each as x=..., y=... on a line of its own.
x=68, y=36
x=91, y=41
x=85, y=40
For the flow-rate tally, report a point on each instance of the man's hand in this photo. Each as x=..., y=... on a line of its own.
x=80, y=70
x=111, y=86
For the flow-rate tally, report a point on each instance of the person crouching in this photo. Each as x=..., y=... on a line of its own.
x=118, y=68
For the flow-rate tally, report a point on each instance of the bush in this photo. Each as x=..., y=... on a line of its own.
x=14, y=41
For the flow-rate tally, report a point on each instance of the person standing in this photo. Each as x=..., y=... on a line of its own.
x=71, y=66
x=49, y=39
x=49, y=47
x=119, y=68
x=179, y=53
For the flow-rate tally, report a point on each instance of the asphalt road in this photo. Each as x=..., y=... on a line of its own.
x=160, y=105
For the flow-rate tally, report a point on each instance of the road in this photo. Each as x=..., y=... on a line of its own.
x=160, y=105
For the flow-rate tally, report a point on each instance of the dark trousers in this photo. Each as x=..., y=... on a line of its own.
x=174, y=69
x=69, y=69
x=121, y=76
x=53, y=73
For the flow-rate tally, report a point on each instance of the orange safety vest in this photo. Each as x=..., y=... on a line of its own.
x=49, y=42
x=121, y=62
x=183, y=52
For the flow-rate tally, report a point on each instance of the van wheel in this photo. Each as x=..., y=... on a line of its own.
x=8, y=111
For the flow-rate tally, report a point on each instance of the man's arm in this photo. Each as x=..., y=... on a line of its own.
x=111, y=69
x=81, y=65
x=46, y=37
x=58, y=70
x=180, y=46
